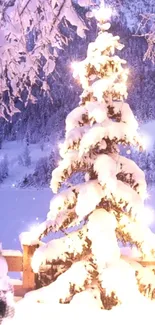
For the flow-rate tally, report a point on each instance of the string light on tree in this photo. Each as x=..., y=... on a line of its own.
x=146, y=140
x=147, y=196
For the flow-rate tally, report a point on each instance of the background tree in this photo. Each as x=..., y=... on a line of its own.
x=85, y=266
x=146, y=29
x=26, y=157
x=4, y=168
x=30, y=39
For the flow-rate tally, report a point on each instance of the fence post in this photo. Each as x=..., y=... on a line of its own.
x=29, y=282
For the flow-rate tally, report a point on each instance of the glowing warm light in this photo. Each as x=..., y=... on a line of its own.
x=146, y=196
x=75, y=67
x=148, y=215
x=146, y=141
x=126, y=71
x=125, y=76
x=103, y=13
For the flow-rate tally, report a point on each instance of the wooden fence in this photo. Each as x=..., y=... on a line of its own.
x=21, y=262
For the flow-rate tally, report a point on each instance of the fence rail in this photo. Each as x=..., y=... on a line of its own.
x=21, y=262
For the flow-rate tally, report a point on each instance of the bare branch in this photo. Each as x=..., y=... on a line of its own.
x=26, y=4
x=146, y=29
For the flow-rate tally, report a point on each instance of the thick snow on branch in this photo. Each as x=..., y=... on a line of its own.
x=103, y=42
x=61, y=250
x=89, y=196
x=106, y=170
x=137, y=233
x=63, y=200
x=68, y=284
x=133, y=174
x=82, y=242
x=101, y=231
x=96, y=111
x=72, y=139
x=123, y=196
x=116, y=131
x=118, y=89
x=71, y=163
x=86, y=114
x=75, y=202
x=75, y=118
x=120, y=279
x=117, y=282
x=85, y=138
x=90, y=299
x=127, y=115
x=115, y=166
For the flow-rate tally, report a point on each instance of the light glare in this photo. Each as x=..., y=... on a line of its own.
x=146, y=141
x=103, y=13
x=148, y=215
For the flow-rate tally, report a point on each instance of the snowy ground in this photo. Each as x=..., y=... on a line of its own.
x=20, y=208
x=65, y=314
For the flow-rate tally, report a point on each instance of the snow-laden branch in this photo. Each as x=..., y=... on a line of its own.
x=80, y=244
x=87, y=138
x=115, y=167
x=98, y=112
x=68, y=208
x=29, y=30
x=138, y=234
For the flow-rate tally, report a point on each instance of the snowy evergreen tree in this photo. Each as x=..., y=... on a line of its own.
x=153, y=155
x=41, y=172
x=42, y=143
x=26, y=156
x=4, y=168
x=20, y=161
x=1, y=141
x=87, y=268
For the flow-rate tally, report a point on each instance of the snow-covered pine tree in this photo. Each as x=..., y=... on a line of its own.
x=86, y=267
x=4, y=168
x=26, y=156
